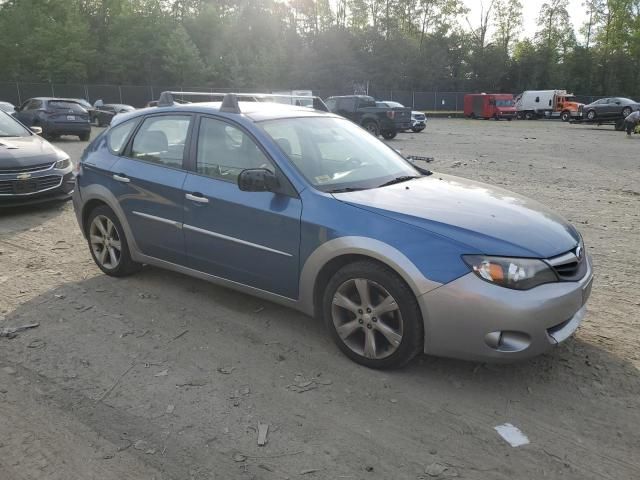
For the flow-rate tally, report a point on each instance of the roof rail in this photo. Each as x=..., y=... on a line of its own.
x=230, y=100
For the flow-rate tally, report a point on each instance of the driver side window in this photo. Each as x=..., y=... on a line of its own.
x=225, y=150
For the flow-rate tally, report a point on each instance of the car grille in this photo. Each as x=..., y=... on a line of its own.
x=419, y=117
x=571, y=266
x=29, y=186
x=32, y=168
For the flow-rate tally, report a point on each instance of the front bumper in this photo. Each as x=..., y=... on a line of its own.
x=474, y=320
x=47, y=186
x=418, y=124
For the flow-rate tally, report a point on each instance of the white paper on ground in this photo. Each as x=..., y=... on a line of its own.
x=512, y=435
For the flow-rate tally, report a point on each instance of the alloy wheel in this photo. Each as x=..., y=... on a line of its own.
x=367, y=318
x=105, y=242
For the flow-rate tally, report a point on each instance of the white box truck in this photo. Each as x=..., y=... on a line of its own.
x=546, y=103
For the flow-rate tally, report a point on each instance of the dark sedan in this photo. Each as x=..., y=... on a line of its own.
x=56, y=116
x=103, y=114
x=31, y=169
x=609, y=108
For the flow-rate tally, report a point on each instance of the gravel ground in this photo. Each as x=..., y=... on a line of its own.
x=160, y=376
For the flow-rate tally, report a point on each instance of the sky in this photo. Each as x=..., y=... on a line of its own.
x=531, y=9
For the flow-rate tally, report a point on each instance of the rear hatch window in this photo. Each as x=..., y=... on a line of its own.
x=66, y=106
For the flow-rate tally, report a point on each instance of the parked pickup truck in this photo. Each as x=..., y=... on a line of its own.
x=362, y=110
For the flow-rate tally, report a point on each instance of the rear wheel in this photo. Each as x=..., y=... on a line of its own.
x=389, y=135
x=372, y=128
x=108, y=244
x=528, y=116
x=373, y=316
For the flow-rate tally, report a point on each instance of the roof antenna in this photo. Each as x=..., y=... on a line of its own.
x=230, y=104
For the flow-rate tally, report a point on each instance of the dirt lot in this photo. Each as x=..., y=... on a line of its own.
x=160, y=376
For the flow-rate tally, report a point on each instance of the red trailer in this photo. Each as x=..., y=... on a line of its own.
x=489, y=105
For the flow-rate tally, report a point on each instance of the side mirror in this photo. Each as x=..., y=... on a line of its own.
x=36, y=130
x=257, y=180
x=618, y=103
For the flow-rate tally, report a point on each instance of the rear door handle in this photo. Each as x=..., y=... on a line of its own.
x=121, y=178
x=196, y=197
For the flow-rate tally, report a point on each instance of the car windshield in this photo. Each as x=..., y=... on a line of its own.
x=9, y=127
x=334, y=154
x=66, y=105
x=504, y=103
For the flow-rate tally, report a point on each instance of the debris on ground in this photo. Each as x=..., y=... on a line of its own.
x=163, y=373
x=263, y=430
x=512, y=435
x=226, y=370
x=435, y=469
x=238, y=457
x=12, y=332
x=170, y=409
x=37, y=343
x=310, y=470
x=301, y=384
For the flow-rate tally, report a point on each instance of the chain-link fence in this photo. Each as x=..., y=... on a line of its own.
x=138, y=95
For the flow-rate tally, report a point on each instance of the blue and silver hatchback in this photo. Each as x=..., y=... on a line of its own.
x=306, y=209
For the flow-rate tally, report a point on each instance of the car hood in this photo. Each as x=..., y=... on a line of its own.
x=28, y=151
x=487, y=219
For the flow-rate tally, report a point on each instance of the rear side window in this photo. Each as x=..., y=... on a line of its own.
x=162, y=140
x=118, y=136
x=33, y=105
x=347, y=104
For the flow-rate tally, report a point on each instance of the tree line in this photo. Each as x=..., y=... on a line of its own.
x=321, y=44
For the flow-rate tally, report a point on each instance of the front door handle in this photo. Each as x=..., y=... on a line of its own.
x=121, y=178
x=196, y=197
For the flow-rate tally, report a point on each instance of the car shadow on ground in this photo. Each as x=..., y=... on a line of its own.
x=139, y=343
x=19, y=218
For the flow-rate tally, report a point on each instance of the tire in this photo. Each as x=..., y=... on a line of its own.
x=389, y=135
x=98, y=121
x=417, y=130
x=84, y=137
x=591, y=115
x=372, y=128
x=565, y=116
x=528, y=116
x=626, y=111
x=119, y=265
x=404, y=337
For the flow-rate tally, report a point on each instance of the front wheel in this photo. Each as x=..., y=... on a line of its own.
x=108, y=244
x=626, y=111
x=528, y=116
x=373, y=316
x=591, y=115
x=389, y=135
x=565, y=116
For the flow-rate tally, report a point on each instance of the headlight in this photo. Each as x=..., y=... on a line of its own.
x=62, y=164
x=515, y=273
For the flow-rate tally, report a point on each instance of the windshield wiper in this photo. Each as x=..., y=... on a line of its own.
x=345, y=190
x=404, y=178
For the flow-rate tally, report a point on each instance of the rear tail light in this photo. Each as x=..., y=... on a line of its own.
x=391, y=114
